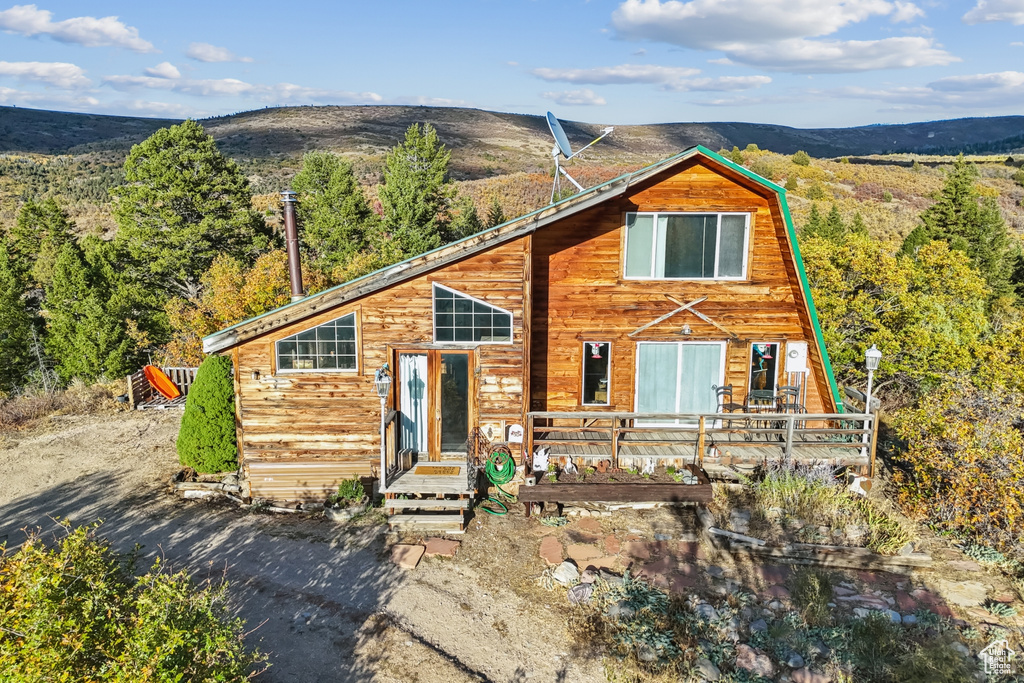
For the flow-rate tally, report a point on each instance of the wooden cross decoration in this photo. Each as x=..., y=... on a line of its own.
x=682, y=307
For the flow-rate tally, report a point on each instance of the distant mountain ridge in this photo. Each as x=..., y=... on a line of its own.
x=485, y=143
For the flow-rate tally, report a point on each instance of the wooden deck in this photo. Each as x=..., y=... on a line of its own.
x=546, y=492
x=409, y=482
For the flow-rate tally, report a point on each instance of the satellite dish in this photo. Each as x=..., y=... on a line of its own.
x=563, y=149
x=561, y=139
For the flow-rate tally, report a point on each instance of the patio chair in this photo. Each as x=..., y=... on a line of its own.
x=726, y=404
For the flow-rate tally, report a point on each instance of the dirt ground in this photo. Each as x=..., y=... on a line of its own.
x=325, y=601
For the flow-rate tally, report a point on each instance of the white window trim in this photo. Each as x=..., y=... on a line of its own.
x=750, y=363
x=718, y=237
x=433, y=319
x=679, y=370
x=288, y=371
x=583, y=374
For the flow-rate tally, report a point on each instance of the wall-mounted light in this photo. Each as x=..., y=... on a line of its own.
x=685, y=330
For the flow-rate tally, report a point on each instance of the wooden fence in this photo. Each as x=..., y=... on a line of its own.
x=142, y=395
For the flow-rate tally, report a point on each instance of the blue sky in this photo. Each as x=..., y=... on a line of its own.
x=806, y=63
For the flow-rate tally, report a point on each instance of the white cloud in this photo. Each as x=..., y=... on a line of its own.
x=29, y=20
x=624, y=73
x=164, y=70
x=425, y=101
x=204, y=52
x=10, y=96
x=996, y=10
x=965, y=93
x=570, y=98
x=1016, y=43
x=721, y=84
x=779, y=34
x=59, y=74
x=281, y=93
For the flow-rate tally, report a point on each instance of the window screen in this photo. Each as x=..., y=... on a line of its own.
x=460, y=318
x=685, y=246
x=596, y=364
x=331, y=346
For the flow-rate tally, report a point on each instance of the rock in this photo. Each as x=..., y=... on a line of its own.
x=807, y=676
x=773, y=574
x=706, y=612
x=963, y=593
x=758, y=626
x=795, y=661
x=551, y=550
x=706, y=669
x=588, y=576
x=747, y=613
x=894, y=616
x=581, y=593
x=754, y=661
x=662, y=537
x=908, y=549
x=638, y=550
x=406, y=556
x=961, y=648
x=645, y=653
x=580, y=553
x=589, y=524
x=855, y=532
x=657, y=573
x=601, y=562
x=739, y=521
x=908, y=619
x=964, y=565
x=905, y=602
x=818, y=649
x=780, y=592
x=861, y=612
x=611, y=578
x=566, y=573
x=441, y=547
x=716, y=571
x=612, y=545
x=775, y=605
x=843, y=591
x=230, y=480
x=620, y=610
x=689, y=537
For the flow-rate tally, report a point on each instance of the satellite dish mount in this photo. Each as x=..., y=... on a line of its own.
x=563, y=149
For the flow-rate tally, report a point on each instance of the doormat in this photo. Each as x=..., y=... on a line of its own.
x=444, y=471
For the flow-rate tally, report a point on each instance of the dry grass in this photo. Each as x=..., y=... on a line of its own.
x=33, y=405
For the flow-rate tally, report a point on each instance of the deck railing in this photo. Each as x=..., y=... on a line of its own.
x=605, y=434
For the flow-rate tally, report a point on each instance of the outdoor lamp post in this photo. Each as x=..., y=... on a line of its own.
x=872, y=357
x=382, y=383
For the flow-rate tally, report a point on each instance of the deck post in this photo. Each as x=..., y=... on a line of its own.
x=874, y=443
x=615, y=441
x=700, y=441
x=789, y=436
x=528, y=455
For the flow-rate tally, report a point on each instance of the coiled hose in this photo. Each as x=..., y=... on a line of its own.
x=500, y=469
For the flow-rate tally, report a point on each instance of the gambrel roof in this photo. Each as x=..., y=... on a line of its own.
x=418, y=265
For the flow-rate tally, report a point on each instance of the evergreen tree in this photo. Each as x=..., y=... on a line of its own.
x=736, y=156
x=183, y=204
x=206, y=442
x=857, y=226
x=41, y=230
x=15, y=327
x=815, y=223
x=791, y=183
x=833, y=228
x=87, y=331
x=969, y=224
x=416, y=192
x=335, y=218
x=801, y=158
x=495, y=214
x=464, y=220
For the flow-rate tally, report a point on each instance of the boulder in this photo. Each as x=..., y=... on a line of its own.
x=407, y=556
x=706, y=669
x=566, y=573
x=754, y=661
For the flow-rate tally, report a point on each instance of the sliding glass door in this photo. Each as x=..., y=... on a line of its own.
x=678, y=377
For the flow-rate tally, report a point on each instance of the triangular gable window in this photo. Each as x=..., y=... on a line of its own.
x=328, y=347
x=461, y=318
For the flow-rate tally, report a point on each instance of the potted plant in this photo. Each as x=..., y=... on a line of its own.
x=350, y=500
x=552, y=473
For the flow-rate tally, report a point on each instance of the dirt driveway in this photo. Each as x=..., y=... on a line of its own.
x=325, y=601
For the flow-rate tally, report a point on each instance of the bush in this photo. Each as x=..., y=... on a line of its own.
x=801, y=158
x=350, y=492
x=812, y=591
x=206, y=442
x=78, y=612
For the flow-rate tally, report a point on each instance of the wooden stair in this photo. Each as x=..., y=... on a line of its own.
x=420, y=502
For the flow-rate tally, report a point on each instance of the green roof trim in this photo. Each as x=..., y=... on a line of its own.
x=801, y=272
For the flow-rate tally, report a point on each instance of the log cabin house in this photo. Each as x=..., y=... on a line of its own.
x=664, y=315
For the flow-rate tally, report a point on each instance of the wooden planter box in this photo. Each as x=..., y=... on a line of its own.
x=546, y=491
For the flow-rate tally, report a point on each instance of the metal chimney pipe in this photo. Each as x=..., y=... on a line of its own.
x=291, y=236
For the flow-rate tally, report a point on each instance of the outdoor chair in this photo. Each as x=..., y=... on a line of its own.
x=726, y=404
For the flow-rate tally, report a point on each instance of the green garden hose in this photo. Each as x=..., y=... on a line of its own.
x=500, y=469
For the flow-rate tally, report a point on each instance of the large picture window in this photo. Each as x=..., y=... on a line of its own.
x=461, y=318
x=331, y=346
x=686, y=246
x=596, y=375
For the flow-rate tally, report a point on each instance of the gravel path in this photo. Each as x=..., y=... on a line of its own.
x=324, y=600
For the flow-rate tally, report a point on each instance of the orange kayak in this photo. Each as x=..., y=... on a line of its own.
x=161, y=382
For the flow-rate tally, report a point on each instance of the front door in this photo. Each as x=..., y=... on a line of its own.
x=434, y=401
x=678, y=377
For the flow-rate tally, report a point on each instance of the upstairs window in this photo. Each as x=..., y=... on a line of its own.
x=461, y=318
x=327, y=347
x=692, y=246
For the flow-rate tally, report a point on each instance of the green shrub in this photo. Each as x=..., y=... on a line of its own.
x=350, y=492
x=812, y=591
x=801, y=158
x=76, y=611
x=206, y=442
x=791, y=183
x=887, y=196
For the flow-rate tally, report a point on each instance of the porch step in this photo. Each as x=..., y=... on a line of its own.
x=431, y=503
x=449, y=523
